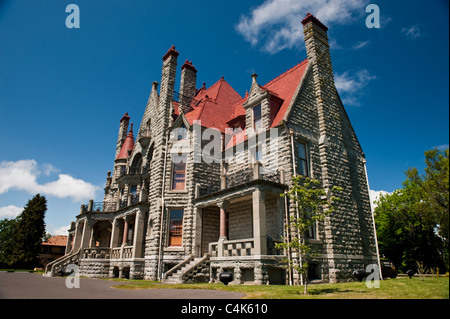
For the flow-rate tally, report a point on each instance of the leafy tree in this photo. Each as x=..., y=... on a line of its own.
x=433, y=187
x=7, y=227
x=313, y=204
x=28, y=233
x=412, y=223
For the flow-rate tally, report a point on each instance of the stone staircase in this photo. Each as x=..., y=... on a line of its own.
x=190, y=270
x=58, y=266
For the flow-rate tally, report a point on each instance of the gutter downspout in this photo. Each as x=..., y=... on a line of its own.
x=373, y=220
x=161, y=251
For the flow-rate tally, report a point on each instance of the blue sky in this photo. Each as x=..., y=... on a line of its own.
x=63, y=91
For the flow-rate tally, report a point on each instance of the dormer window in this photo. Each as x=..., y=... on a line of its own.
x=257, y=119
x=181, y=133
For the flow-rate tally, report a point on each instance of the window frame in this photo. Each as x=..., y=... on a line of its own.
x=303, y=162
x=179, y=233
x=174, y=171
x=257, y=118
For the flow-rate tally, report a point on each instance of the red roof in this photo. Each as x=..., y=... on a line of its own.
x=58, y=240
x=215, y=105
x=127, y=145
x=284, y=87
x=220, y=104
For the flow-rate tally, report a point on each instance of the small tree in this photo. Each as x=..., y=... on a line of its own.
x=313, y=204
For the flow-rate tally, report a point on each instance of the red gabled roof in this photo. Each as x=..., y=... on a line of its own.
x=219, y=104
x=284, y=87
x=215, y=105
x=58, y=240
x=128, y=145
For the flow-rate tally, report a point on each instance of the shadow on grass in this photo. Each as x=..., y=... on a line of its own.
x=328, y=291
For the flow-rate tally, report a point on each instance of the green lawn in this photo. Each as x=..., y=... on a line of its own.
x=399, y=288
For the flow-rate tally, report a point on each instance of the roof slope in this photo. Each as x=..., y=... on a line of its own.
x=214, y=106
x=220, y=103
x=58, y=240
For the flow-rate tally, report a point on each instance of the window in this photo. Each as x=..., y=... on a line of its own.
x=181, y=132
x=176, y=227
x=302, y=160
x=179, y=172
x=311, y=232
x=257, y=154
x=257, y=120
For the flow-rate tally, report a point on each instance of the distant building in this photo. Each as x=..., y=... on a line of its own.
x=180, y=215
x=52, y=249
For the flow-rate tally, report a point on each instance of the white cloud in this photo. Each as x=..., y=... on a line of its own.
x=350, y=85
x=277, y=23
x=62, y=230
x=23, y=174
x=10, y=211
x=412, y=32
x=375, y=195
x=360, y=44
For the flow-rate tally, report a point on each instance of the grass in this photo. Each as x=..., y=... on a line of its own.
x=399, y=288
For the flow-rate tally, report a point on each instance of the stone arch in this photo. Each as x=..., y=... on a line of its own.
x=136, y=164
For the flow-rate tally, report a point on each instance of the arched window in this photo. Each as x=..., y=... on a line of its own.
x=136, y=166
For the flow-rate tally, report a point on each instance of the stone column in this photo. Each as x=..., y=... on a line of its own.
x=87, y=233
x=198, y=230
x=223, y=228
x=125, y=232
x=78, y=234
x=259, y=222
x=138, y=234
x=114, y=234
x=69, y=243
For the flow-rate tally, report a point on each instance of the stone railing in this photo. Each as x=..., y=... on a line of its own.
x=127, y=252
x=96, y=253
x=115, y=253
x=122, y=252
x=231, y=248
x=58, y=266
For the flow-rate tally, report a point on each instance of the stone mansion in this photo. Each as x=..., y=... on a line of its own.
x=194, y=193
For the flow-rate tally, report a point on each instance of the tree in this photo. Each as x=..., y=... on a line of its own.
x=7, y=227
x=412, y=223
x=313, y=204
x=28, y=233
x=433, y=187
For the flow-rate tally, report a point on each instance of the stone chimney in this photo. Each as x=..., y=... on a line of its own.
x=328, y=110
x=317, y=47
x=169, y=70
x=187, y=86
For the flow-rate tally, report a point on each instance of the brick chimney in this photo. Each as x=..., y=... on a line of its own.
x=187, y=86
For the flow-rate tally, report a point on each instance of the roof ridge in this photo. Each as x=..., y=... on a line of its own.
x=285, y=73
